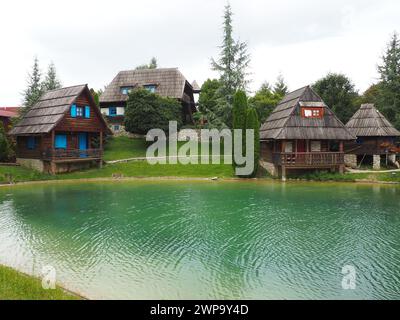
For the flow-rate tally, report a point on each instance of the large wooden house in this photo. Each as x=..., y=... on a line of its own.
x=302, y=133
x=166, y=82
x=376, y=138
x=62, y=132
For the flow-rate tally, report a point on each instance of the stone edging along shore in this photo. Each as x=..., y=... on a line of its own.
x=172, y=178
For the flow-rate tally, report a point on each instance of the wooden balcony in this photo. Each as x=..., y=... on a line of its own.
x=309, y=159
x=67, y=155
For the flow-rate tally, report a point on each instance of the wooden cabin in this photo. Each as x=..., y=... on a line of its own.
x=62, y=132
x=166, y=82
x=376, y=138
x=302, y=133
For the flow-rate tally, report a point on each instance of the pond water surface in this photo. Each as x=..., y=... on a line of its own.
x=175, y=240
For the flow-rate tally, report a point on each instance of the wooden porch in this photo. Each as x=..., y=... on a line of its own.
x=68, y=155
x=308, y=159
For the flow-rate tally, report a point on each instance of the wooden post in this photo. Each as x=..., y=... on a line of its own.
x=101, y=150
x=341, y=166
x=283, y=173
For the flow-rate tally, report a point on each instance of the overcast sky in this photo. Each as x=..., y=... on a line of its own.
x=90, y=41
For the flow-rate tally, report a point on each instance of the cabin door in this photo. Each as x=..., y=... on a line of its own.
x=301, y=145
x=83, y=143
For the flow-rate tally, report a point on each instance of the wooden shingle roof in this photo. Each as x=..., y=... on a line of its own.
x=286, y=122
x=169, y=83
x=369, y=122
x=49, y=111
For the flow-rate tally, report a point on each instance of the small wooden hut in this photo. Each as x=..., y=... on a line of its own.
x=302, y=133
x=62, y=132
x=376, y=138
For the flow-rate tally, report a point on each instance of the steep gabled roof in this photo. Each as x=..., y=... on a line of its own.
x=169, y=83
x=369, y=122
x=286, y=122
x=49, y=111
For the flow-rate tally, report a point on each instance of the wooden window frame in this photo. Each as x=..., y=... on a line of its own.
x=151, y=87
x=125, y=90
x=80, y=109
x=313, y=109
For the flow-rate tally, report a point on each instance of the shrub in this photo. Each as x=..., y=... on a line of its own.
x=253, y=123
x=146, y=111
x=5, y=147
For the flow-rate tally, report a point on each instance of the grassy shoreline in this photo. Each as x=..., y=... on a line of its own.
x=118, y=148
x=16, y=285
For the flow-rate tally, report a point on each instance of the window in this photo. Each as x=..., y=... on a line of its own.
x=315, y=146
x=312, y=112
x=150, y=87
x=60, y=141
x=126, y=90
x=112, y=111
x=79, y=111
x=31, y=143
x=116, y=127
x=289, y=146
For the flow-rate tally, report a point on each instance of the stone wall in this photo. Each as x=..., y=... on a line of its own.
x=350, y=160
x=34, y=164
x=376, y=162
x=270, y=167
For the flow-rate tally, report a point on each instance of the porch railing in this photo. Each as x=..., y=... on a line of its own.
x=308, y=158
x=61, y=154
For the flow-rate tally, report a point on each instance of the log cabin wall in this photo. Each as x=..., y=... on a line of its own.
x=81, y=124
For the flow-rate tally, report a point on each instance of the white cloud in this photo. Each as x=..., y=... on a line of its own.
x=90, y=41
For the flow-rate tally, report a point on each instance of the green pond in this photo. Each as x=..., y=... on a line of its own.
x=223, y=240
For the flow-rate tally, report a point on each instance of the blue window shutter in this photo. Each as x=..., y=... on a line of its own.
x=87, y=112
x=61, y=141
x=73, y=111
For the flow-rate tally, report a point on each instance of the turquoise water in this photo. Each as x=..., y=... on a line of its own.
x=175, y=240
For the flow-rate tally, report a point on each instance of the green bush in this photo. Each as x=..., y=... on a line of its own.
x=5, y=147
x=146, y=111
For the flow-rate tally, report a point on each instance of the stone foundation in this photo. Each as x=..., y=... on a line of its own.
x=270, y=167
x=376, y=162
x=350, y=160
x=34, y=164
x=54, y=168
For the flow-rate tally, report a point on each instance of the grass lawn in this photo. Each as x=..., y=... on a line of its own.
x=143, y=169
x=124, y=148
x=18, y=286
x=326, y=176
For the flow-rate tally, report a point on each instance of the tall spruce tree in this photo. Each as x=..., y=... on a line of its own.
x=51, y=80
x=34, y=89
x=389, y=70
x=280, y=87
x=233, y=60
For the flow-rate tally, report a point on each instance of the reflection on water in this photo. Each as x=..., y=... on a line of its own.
x=173, y=240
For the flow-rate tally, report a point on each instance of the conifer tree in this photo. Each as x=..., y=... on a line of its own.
x=51, y=81
x=34, y=89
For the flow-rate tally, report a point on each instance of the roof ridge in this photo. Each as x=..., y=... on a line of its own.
x=69, y=87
